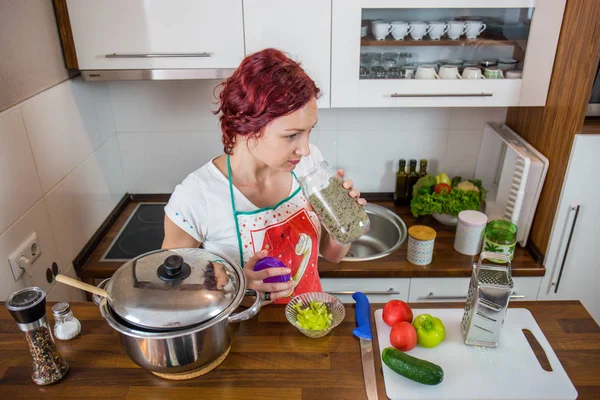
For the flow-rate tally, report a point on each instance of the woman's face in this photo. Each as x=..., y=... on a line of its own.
x=285, y=140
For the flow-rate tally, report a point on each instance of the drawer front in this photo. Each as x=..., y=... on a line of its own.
x=378, y=290
x=527, y=287
x=438, y=289
x=455, y=289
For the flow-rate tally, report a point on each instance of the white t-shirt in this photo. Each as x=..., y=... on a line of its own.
x=201, y=205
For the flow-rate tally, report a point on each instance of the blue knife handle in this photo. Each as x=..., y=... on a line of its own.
x=363, y=316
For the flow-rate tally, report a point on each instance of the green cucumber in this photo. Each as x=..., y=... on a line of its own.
x=413, y=368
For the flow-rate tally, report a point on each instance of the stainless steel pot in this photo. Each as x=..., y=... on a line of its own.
x=182, y=349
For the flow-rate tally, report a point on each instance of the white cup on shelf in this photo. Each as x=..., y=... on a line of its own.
x=474, y=29
x=472, y=73
x=426, y=72
x=420, y=29
x=400, y=29
x=437, y=29
x=380, y=29
x=449, y=72
x=456, y=29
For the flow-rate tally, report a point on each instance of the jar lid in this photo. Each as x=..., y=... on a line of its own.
x=422, y=232
x=174, y=289
x=61, y=309
x=27, y=305
x=472, y=218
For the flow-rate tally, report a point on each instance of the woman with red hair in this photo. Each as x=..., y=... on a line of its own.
x=247, y=203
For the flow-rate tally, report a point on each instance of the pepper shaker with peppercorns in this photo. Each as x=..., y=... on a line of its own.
x=28, y=307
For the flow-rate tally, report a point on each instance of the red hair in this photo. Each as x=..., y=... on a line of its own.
x=265, y=86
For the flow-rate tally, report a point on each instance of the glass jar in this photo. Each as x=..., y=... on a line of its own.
x=469, y=232
x=28, y=307
x=66, y=326
x=344, y=219
x=500, y=237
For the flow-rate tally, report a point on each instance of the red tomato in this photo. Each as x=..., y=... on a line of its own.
x=403, y=336
x=442, y=188
x=396, y=311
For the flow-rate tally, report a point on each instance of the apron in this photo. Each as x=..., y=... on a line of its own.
x=288, y=231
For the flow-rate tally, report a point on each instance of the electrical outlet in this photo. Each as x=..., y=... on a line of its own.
x=29, y=249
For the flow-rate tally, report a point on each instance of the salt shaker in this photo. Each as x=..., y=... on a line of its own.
x=28, y=307
x=66, y=326
x=469, y=232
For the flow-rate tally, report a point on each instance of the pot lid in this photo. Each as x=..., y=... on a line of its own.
x=174, y=289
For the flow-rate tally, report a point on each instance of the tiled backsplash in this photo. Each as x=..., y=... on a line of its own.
x=60, y=176
x=166, y=130
x=68, y=154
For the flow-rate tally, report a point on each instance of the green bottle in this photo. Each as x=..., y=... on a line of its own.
x=413, y=177
x=423, y=169
x=401, y=181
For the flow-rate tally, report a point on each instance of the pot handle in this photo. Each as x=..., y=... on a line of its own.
x=250, y=312
x=96, y=298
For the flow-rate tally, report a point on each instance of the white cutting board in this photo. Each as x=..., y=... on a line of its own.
x=510, y=371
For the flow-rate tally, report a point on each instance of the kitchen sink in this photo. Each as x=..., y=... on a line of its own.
x=385, y=236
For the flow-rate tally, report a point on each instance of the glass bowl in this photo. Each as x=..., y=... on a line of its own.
x=333, y=304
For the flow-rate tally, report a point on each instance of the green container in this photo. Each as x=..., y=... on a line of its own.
x=500, y=237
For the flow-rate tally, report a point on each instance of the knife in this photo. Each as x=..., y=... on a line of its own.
x=363, y=332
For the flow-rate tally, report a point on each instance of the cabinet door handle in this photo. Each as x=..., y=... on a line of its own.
x=432, y=296
x=564, y=259
x=390, y=291
x=517, y=296
x=443, y=95
x=155, y=55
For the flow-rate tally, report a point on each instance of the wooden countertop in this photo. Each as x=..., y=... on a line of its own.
x=269, y=359
x=446, y=261
x=591, y=125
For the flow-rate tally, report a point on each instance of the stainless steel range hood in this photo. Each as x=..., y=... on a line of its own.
x=155, y=74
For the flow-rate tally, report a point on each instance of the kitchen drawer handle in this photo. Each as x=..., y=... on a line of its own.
x=390, y=291
x=564, y=259
x=156, y=55
x=432, y=296
x=517, y=296
x=443, y=95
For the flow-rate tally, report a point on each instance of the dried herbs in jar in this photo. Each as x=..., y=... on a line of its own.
x=340, y=214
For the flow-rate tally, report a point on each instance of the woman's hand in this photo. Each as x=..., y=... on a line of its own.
x=255, y=279
x=354, y=193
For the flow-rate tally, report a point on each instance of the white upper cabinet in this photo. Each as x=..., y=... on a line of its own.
x=302, y=29
x=379, y=45
x=154, y=34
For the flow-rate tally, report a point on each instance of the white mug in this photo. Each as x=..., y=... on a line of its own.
x=419, y=30
x=408, y=72
x=456, y=29
x=400, y=29
x=426, y=72
x=472, y=73
x=437, y=29
x=380, y=29
x=474, y=29
x=449, y=72
x=514, y=74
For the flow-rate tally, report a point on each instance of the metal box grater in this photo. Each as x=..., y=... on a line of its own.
x=487, y=301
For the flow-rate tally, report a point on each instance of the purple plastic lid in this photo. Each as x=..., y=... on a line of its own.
x=472, y=218
x=272, y=262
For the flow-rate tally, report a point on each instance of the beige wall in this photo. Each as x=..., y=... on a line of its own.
x=31, y=57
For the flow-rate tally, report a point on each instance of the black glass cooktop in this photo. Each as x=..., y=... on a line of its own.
x=143, y=232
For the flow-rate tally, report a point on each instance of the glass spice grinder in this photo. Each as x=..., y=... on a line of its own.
x=28, y=307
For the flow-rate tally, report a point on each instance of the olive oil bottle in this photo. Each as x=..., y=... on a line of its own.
x=401, y=185
x=412, y=178
x=423, y=169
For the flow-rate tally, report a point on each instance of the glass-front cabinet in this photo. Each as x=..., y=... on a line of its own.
x=443, y=53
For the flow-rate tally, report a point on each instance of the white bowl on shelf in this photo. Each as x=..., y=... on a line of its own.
x=445, y=219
